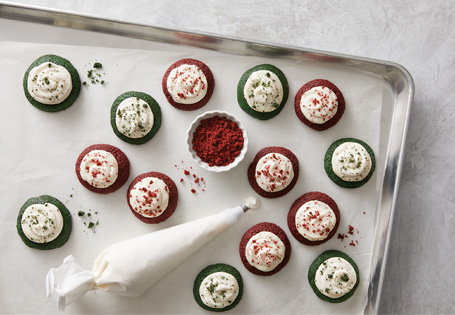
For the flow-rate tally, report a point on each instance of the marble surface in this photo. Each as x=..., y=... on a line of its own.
x=420, y=35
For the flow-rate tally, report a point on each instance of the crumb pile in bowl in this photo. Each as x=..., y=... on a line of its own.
x=217, y=141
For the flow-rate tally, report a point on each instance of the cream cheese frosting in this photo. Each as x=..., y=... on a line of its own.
x=351, y=162
x=319, y=104
x=99, y=168
x=187, y=84
x=274, y=172
x=42, y=223
x=263, y=91
x=49, y=83
x=335, y=277
x=265, y=251
x=149, y=197
x=315, y=220
x=134, y=117
x=219, y=289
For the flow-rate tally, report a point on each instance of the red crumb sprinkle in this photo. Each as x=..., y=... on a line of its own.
x=350, y=231
x=342, y=236
x=218, y=141
x=195, y=185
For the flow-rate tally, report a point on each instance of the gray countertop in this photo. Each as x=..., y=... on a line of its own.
x=420, y=35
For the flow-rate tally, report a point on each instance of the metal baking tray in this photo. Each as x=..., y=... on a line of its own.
x=397, y=98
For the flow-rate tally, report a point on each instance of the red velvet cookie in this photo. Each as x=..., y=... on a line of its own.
x=265, y=247
x=313, y=224
x=190, y=83
x=253, y=174
x=340, y=108
x=151, y=196
x=96, y=167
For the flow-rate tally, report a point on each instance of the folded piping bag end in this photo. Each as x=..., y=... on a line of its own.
x=68, y=282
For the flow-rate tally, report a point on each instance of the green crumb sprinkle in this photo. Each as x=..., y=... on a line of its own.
x=90, y=225
x=94, y=74
x=89, y=214
x=81, y=213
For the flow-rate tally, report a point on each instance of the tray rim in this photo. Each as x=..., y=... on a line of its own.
x=396, y=77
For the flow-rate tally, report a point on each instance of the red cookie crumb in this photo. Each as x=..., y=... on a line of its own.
x=173, y=197
x=340, y=110
x=264, y=227
x=218, y=141
x=123, y=168
x=315, y=195
x=210, y=83
x=252, y=171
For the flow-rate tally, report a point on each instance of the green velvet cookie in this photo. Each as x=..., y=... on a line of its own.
x=75, y=79
x=321, y=260
x=212, y=286
x=278, y=106
x=334, y=177
x=156, y=110
x=64, y=235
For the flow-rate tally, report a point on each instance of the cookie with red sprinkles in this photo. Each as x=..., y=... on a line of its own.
x=313, y=218
x=265, y=249
x=188, y=84
x=102, y=168
x=152, y=197
x=273, y=172
x=319, y=104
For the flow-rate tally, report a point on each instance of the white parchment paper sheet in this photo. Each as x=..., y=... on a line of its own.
x=39, y=150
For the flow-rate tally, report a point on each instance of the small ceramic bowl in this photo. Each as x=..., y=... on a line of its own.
x=197, y=159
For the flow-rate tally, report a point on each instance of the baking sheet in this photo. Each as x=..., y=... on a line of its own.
x=39, y=154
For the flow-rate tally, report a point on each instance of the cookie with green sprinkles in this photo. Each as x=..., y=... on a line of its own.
x=333, y=276
x=135, y=117
x=51, y=83
x=349, y=162
x=262, y=91
x=218, y=288
x=44, y=223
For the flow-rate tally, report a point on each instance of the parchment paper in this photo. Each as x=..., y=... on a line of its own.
x=39, y=150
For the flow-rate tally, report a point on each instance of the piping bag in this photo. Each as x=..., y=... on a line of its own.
x=131, y=267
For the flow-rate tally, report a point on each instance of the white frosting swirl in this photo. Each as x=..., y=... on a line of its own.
x=315, y=220
x=99, y=168
x=42, y=223
x=335, y=277
x=319, y=104
x=134, y=117
x=263, y=91
x=187, y=84
x=274, y=172
x=351, y=162
x=149, y=197
x=219, y=289
x=49, y=83
x=265, y=251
